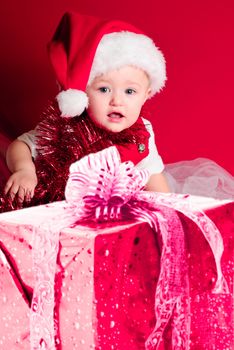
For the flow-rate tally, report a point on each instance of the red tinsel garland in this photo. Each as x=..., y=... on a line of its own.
x=62, y=141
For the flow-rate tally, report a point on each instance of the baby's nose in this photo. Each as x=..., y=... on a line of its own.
x=116, y=99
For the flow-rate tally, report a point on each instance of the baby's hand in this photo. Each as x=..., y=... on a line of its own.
x=22, y=184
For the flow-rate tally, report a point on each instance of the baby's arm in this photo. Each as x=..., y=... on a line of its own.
x=154, y=164
x=23, y=180
x=158, y=183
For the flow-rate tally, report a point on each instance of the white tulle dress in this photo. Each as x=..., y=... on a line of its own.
x=201, y=177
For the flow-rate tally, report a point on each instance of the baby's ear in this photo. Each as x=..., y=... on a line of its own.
x=148, y=94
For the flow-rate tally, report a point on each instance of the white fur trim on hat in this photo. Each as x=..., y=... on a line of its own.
x=127, y=48
x=72, y=102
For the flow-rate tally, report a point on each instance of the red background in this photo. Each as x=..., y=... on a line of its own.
x=192, y=117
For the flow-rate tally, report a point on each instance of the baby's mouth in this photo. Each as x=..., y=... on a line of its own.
x=115, y=115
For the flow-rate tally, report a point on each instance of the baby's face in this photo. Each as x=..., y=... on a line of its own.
x=116, y=98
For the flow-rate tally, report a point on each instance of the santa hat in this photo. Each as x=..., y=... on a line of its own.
x=84, y=47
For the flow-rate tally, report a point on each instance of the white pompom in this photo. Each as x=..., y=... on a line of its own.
x=72, y=102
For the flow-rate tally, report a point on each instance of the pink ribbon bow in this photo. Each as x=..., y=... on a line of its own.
x=100, y=185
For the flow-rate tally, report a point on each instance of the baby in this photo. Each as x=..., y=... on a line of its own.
x=106, y=71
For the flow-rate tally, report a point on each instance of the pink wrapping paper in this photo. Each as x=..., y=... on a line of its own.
x=105, y=284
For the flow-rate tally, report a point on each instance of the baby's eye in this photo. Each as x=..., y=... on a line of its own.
x=104, y=89
x=130, y=91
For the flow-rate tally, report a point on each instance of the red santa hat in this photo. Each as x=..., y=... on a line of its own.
x=84, y=47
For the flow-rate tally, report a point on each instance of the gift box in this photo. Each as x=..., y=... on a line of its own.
x=105, y=282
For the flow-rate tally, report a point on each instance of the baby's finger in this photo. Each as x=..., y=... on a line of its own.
x=8, y=186
x=13, y=191
x=11, y=194
x=28, y=196
x=21, y=194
